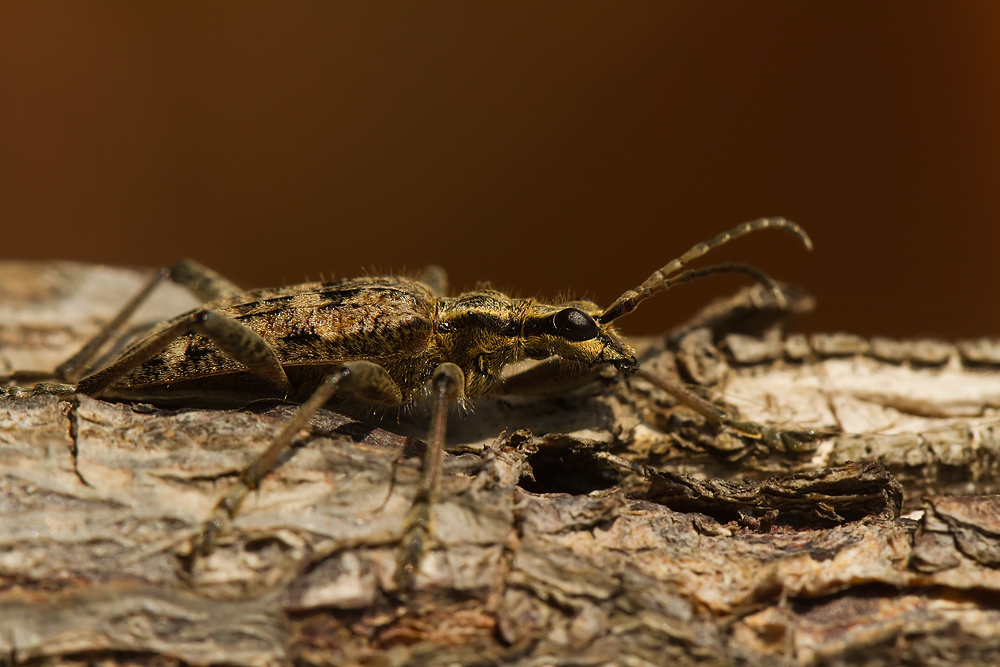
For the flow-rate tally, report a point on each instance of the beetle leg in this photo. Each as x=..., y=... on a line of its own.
x=448, y=388
x=205, y=283
x=776, y=438
x=362, y=378
x=78, y=365
x=238, y=341
x=552, y=377
x=435, y=277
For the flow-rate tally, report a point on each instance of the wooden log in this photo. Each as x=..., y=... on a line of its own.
x=612, y=526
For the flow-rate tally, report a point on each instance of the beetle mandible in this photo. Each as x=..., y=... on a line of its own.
x=383, y=342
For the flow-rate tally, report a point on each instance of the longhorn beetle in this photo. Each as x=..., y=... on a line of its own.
x=387, y=343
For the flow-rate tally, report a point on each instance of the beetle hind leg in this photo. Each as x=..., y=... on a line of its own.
x=202, y=281
x=233, y=338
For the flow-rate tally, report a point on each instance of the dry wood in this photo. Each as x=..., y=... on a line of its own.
x=608, y=527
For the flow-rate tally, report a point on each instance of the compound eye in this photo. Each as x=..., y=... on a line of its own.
x=575, y=325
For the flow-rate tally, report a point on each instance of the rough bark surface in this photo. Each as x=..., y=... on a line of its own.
x=608, y=527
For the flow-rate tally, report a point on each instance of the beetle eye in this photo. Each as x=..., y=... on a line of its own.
x=575, y=325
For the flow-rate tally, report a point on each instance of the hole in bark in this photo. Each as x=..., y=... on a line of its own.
x=565, y=471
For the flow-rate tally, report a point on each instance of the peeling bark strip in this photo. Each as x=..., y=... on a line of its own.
x=698, y=546
x=830, y=496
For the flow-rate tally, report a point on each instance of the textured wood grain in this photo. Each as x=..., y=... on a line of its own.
x=608, y=527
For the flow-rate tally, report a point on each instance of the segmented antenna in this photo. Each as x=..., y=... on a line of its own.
x=668, y=276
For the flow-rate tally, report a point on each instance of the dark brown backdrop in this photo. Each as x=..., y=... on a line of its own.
x=548, y=147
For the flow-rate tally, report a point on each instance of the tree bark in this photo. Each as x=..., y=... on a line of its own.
x=610, y=526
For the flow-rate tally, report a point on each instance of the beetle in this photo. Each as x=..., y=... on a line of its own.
x=381, y=342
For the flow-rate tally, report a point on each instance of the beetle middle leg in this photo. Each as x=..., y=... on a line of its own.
x=362, y=378
x=371, y=382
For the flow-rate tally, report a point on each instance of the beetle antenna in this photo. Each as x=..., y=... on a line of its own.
x=667, y=276
x=693, y=274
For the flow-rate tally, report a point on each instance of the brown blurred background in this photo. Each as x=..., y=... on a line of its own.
x=549, y=147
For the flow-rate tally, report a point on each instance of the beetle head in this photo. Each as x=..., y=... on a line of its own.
x=571, y=331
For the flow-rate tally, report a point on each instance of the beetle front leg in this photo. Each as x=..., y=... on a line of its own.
x=554, y=376
x=784, y=440
x=448, y=388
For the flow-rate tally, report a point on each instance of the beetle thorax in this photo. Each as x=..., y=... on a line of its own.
x=481, y=333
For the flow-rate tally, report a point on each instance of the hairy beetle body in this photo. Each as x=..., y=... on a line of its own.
x=396, y=322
